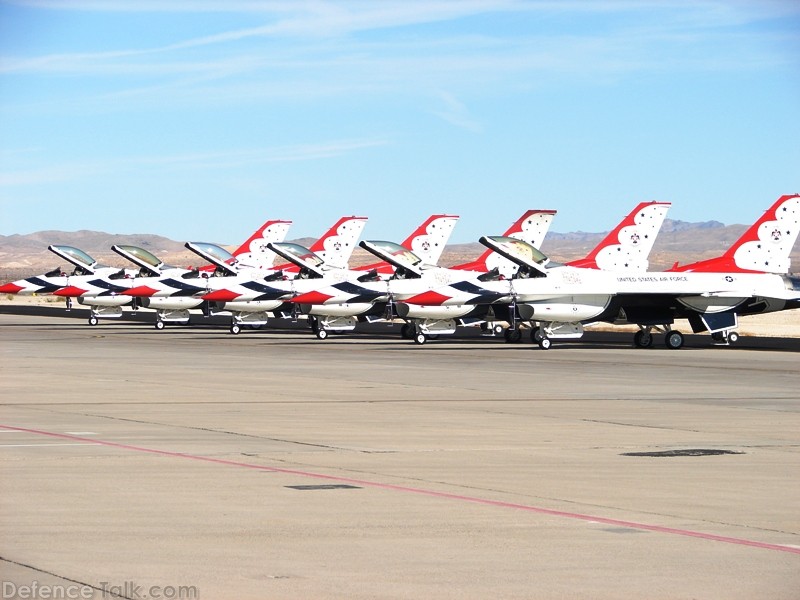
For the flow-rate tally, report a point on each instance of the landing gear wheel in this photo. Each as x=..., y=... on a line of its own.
x=322, y=334
x=313, y=322
x=497, y=329
x=406, y=331
x=512, y=336
x=536, y=335
x=733, y=337
x=159, y=325
x=643, y=339
x=235, y=329
x=545, y=344
x=674, y=340
x=419, y=338
x=92, y=320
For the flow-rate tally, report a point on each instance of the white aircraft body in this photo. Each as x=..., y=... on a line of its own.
x=625, y=248
x=253, y=299
x=560, y=299
x=352, y=302
x=174, y=297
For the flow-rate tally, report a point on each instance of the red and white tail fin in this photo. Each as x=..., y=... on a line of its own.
x=628, y=246
x=254, y=252
x=764, y=247
x=430, y=238
x=338, y=243
x=531, y=227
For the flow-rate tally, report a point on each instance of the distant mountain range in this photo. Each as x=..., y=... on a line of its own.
x=681, y=241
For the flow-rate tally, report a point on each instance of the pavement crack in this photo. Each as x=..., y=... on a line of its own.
x=52, y=574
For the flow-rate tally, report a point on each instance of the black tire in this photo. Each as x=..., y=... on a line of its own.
x=545, y=344
x=322, y=334
x=420, y=338
x=733, y=337
x=536, y=335
x=673, y=340
x=643, y=339
x=235, y=329
x=92, y=320
x=160, y=325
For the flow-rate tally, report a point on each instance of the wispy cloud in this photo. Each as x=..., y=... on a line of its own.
x=324, y=35
x=203, y=161
x=456, y=113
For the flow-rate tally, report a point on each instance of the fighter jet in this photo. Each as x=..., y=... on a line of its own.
x=105, y=290
x=751, y=277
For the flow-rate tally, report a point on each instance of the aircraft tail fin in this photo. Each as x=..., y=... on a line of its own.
x=627, y=247
x=338, y=243
x=254, y=251
x=764, y=247
x=430, y=238
x=531, y=227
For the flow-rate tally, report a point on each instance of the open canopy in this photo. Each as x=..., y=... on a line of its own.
x=215, y=255
x=396, y=255
x=77, y=257
x=520, y=252
x=139, y=256
x=300, y=256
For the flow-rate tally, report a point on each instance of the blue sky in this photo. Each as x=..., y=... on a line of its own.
x=201, y=119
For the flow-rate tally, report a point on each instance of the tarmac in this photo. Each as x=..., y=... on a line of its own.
x=193, y=463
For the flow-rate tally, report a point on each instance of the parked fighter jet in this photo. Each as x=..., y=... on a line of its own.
x=104, y=290
x=103, y=280
x=174, y=297
x=340, y=307
x=626, y=247
x=251, y=299
x=711, y=294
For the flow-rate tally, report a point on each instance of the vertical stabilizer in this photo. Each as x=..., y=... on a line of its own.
x=254, y=252
x=628, y=246
x=769, y=241
x=338, y=243
x=764, y=247
x=430, y=238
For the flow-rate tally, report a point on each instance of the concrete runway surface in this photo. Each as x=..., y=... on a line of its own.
x=273, y=465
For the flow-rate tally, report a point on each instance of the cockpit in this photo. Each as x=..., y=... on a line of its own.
x=84, y=264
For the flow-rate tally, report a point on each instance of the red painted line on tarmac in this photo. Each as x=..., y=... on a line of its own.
x=420, y=491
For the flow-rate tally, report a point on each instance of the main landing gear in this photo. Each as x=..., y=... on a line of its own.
x=725, y=338
x=412, y=331
x=644, y=337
